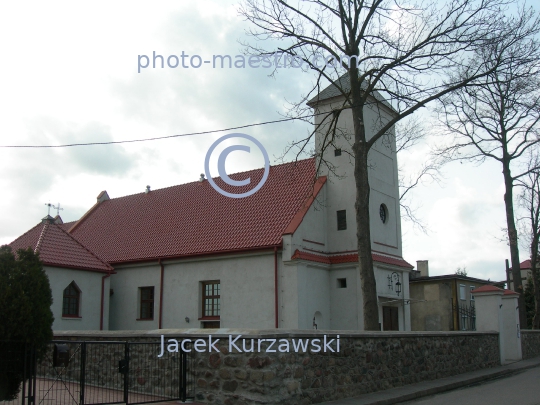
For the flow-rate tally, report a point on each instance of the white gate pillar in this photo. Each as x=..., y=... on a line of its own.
x=488, y=306
x=497, y=310
x=511, y=326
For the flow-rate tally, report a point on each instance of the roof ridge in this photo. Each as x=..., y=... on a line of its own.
x=84, y=247
x=41, y=237
x=215, y=177
x=27, y=232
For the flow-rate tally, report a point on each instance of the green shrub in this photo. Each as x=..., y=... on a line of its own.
x=25, y=311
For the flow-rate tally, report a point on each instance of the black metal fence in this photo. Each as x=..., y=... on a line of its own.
x=107, y=372
x=18, y=364
x=466, y=316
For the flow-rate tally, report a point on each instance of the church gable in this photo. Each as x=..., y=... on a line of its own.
x=58, y=248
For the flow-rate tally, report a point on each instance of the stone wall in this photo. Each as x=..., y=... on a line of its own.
x=530, y=343
x=366, y=362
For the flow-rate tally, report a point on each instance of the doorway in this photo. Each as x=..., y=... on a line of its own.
x=390, y=318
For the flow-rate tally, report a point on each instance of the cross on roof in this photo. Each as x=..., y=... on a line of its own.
x=57, y=208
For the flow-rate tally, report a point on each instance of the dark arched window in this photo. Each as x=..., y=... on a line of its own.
x=72, y=300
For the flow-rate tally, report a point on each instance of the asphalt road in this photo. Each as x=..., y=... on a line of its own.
x=518, y=389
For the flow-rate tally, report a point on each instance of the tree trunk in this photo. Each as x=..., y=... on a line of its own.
x=363, y=231
x=534, y=274
x=536, y=285
x=513, y=240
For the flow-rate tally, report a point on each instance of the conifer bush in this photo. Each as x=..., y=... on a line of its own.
x=25, y=315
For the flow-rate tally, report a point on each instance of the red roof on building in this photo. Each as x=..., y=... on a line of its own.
x=349, y=258
x=525, y=265
x=58, y=248
x=194, y=219
x=487, y=288
x=510, y=292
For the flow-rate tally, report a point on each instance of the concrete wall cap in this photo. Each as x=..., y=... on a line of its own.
x=256, y=333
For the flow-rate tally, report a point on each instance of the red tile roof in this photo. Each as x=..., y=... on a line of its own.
x=194, y=219
x=58, y=248
x=487, y=288
x=349, y=258
x=525, y=265
x=510, y=292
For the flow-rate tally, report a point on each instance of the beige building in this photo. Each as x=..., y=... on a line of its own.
x=442, y=303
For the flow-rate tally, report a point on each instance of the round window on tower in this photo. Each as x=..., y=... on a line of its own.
x=383, y=213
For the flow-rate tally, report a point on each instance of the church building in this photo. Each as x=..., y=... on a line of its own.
x=188, y=257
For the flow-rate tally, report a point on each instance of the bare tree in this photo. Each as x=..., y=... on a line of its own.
x=498, y=118
x=530, y=201
x=393, y=53
x=410, y=132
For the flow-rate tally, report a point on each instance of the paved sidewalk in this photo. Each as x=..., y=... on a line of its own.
x=432, y=387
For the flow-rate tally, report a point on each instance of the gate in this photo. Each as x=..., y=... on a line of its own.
x=108, y=372
x=466, y=316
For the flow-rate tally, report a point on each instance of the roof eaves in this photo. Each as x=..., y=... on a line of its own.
x=195, y=255
x=451, y=277
x=68, y=266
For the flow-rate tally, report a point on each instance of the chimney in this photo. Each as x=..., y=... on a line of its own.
x=103, y=196
x=423, y=267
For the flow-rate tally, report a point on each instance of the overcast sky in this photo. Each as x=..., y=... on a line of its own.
x=68, y=74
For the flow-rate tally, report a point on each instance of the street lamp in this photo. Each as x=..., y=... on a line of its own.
x=391, y=278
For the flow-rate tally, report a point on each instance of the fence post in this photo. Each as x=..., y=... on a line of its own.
x=33, y=365
x=25, y=375
x=126, y=374
x=82, y=373
x=183, y=374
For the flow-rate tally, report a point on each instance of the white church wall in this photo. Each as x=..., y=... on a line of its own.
x=311, y=234
x=247, y=290
x=313, y=296
x=341, y=188
x=288, y=296
x=89, y=284
x=125, y=305
x=389, y=297
x=343, y=300
x=246, y=284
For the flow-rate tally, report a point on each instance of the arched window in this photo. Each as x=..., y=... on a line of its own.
x=72, y=299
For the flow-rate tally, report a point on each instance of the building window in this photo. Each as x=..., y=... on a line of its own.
x=341, y=283
x=146, y=303
x=383, y=213
x=210, y=325
x=71, y=301
x=337, y=152
x=341, y=220
x=471, y=287
x=211, y=299
x=462, y=292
